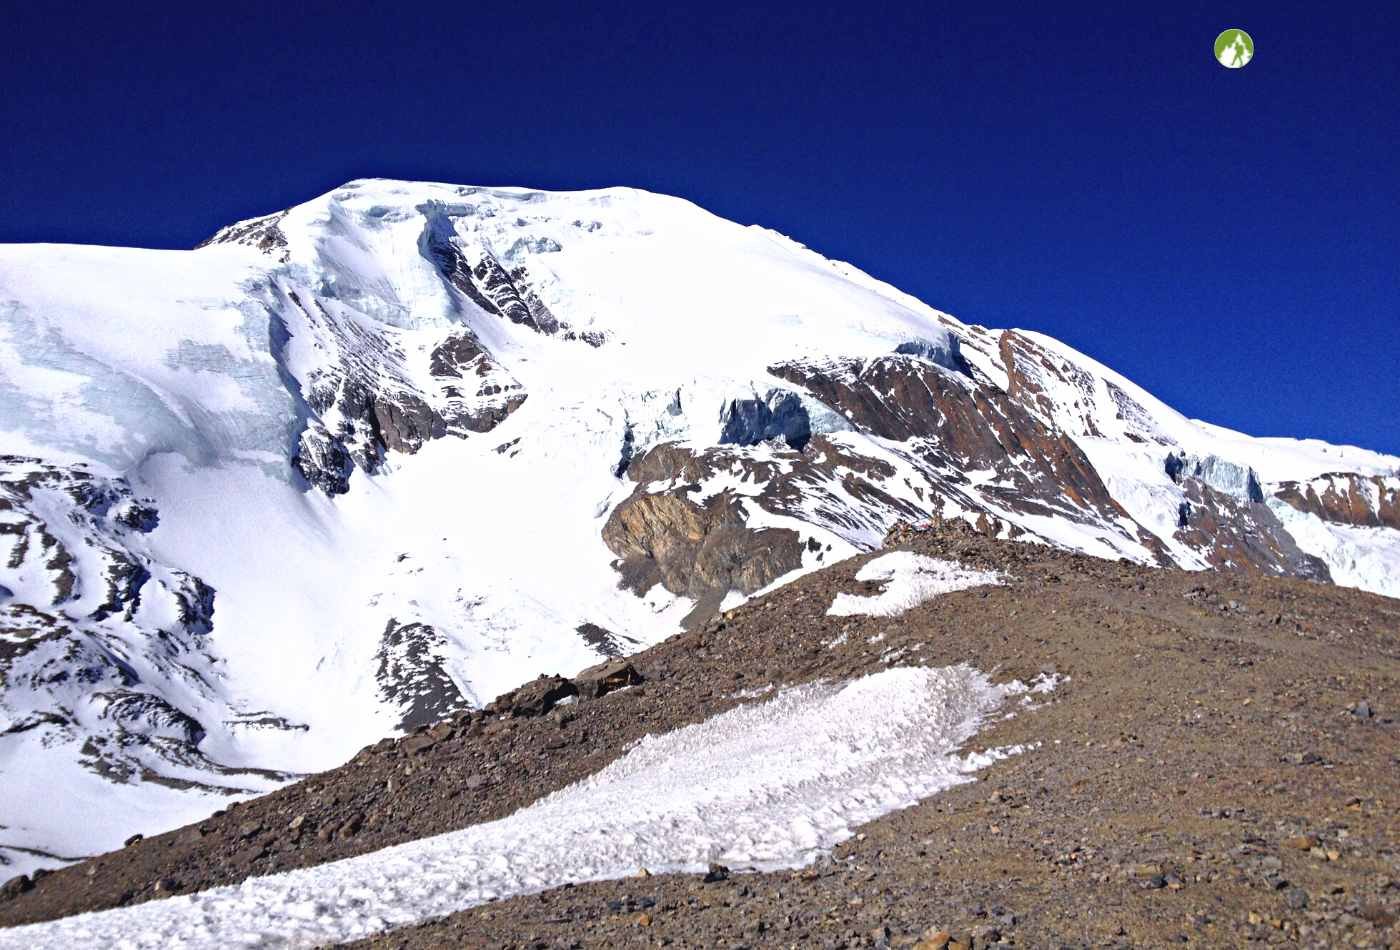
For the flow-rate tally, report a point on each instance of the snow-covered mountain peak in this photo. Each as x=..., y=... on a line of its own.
x=420, y=442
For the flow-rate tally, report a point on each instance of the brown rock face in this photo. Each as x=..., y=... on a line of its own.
x=1234, y=534
x=1347, y=498
x=697, y=550
x=957, y=424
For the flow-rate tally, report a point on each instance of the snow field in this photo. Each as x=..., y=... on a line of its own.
x=766, y=785
x=910, y=579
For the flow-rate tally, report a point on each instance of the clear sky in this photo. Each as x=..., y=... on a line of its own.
x=1230, y=239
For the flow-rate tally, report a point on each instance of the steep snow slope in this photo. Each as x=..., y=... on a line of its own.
x=421, y=442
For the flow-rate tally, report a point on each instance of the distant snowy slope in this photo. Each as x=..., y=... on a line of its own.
x=406, y=445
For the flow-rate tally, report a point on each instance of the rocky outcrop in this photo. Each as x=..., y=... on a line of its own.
x=1233, y=532
x=535, y=698
x=104, y=648
x=479, y=276
x=364, y=401
x=604, y=640
x=1346, y=498
x=262, y=233
x=954, y=425
x=608, y=677
x=411, y=676
x=696, y=548
x=494, y=394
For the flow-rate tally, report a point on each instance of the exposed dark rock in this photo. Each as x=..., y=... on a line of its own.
x=365, y=403
x=629, y=447
x=603, y=640
x=411, y=675
x=1345, y=498
x=1232, y=533
x=323, y=460
x=535, y=698
x=953, y=426
x=597, y=681
x=16, y=886
x=262, y=233
x=484, y=281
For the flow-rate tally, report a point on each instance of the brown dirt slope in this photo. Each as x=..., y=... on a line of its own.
x=1222, y=766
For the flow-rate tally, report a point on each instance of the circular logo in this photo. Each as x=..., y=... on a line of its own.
x=1234, y=49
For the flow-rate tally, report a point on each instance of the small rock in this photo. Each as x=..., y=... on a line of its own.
x=132, y=840
x=249, y=829
x=541, y=695
x=605, y=678
x=166, y=885
x=934, y=939
x=1296, y=898
x=716, y=873
x=296, y=823
x=643, y=920
x=1300, y=842
x=985, y=937
x=1362, y=710
x=417, y=745
x=16, y=886
x=1377, y=914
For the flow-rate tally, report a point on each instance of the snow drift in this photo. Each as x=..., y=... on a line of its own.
x=766, y=785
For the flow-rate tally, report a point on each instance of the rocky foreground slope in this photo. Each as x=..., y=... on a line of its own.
x=1219, y=763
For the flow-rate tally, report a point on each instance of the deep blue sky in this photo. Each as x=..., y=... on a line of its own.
x=1228, y=239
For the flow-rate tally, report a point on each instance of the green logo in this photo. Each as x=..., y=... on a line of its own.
x=1234, y=49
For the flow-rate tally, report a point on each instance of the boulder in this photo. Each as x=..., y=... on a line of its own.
x=605, y=678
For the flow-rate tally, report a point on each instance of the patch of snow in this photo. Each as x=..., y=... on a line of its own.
x=767, y=785
x=910, y=579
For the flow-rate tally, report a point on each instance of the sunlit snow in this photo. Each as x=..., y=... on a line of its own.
x=767, y=785
x=909, y=579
